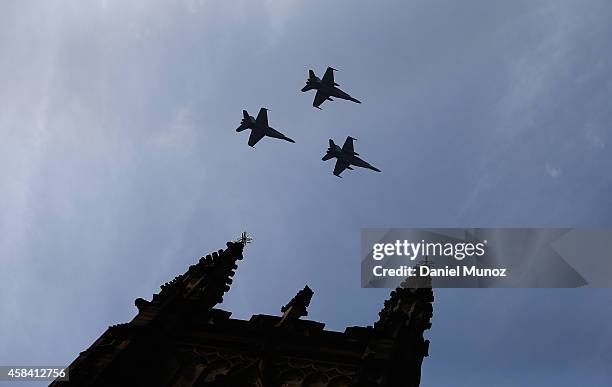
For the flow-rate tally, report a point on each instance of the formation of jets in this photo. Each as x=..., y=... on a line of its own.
x=326, y=88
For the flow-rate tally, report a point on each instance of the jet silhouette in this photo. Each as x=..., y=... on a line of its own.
x=346, y=157
x=259, y=127
x=325, y=88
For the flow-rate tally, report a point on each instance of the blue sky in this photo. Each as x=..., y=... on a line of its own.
x=120, y=166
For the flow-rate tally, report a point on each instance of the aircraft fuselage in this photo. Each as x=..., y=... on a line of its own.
x=350, y=158
x=259, y=129
x=265, y=130
x=329, y=89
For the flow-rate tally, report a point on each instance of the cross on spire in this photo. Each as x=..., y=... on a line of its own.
x=244, y=239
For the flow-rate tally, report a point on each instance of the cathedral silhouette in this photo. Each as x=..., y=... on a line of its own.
x=180, y=338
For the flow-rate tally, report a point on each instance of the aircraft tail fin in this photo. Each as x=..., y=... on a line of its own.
x=311, y=74
x=331, y=143
x=245, y=114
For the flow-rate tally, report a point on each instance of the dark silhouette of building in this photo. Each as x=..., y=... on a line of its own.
x=179, y=338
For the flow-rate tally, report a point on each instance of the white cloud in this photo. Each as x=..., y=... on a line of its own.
x=553, y=171
x=279, y=14
x=180, y=132
x=594, y=140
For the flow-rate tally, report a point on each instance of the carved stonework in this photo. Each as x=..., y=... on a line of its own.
x=296, y=308
x=179, y=338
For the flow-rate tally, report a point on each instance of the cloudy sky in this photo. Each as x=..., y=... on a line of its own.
x=120, y=166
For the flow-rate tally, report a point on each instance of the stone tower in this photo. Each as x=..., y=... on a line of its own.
x=179, y=338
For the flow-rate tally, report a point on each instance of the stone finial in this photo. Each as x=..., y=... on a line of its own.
x=297, y=307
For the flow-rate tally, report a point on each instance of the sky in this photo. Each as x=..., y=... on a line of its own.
x=120, y=165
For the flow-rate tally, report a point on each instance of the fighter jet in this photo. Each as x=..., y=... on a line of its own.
x=346, y=157
x=325, y=88
x=259, y=127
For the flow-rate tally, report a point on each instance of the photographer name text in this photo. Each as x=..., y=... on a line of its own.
x=424, y=271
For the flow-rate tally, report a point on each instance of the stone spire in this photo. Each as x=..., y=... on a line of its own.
x=408, y=306
x=196, y=291
x=394, y=355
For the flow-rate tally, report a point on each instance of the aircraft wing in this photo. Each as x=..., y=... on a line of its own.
x=341, y=165
x=262, y=118
x=348, y=145
x=320, y=97
x=328, y=77
x=255, y=136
